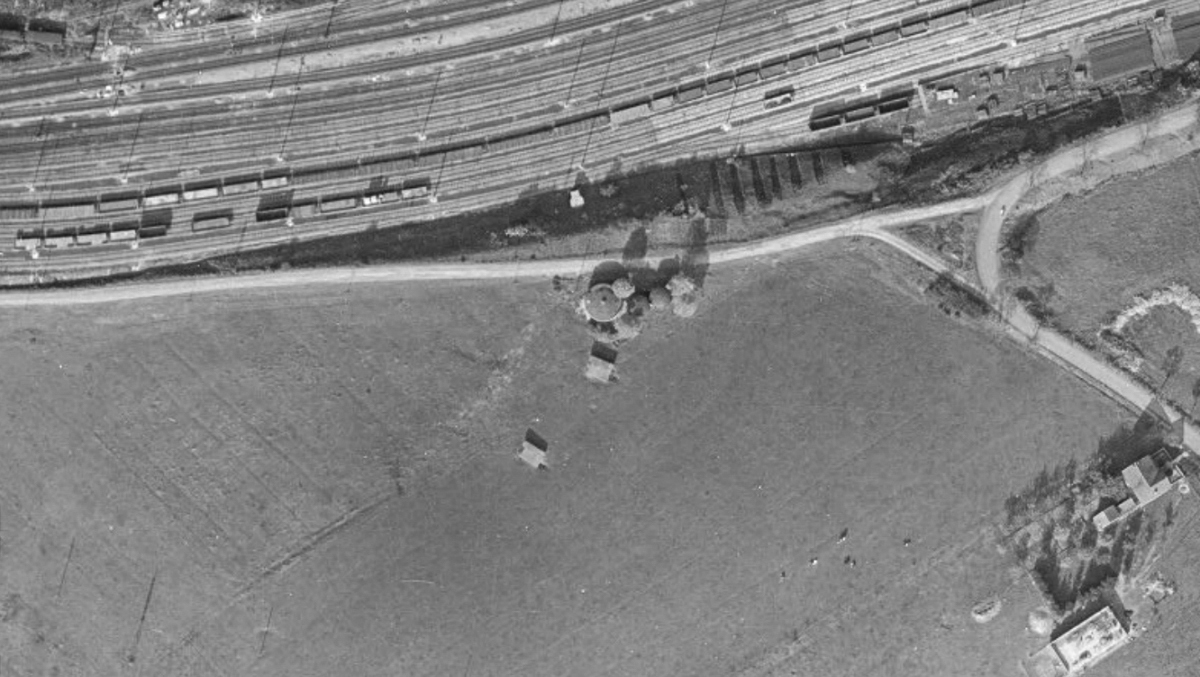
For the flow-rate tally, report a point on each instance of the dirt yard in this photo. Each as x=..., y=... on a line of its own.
x=323, y=482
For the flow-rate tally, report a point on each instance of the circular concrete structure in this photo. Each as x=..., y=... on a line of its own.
x=602, y=304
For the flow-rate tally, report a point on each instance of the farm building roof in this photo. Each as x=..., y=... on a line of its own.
x=1091, y=640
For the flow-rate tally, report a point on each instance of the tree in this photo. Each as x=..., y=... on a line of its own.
x=1171, y=364
x=660, y=299
x=684, y=295
x=623, y=288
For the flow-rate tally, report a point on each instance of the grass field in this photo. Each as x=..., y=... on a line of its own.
x=1129, y=237
x=322, y=482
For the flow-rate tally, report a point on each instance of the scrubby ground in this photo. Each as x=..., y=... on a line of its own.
x=1088, y=258
x=322, y=482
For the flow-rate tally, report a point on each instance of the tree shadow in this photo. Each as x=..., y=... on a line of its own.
x=607, y=272
x=636, y=247
x=694, y=262
x=1127, y=443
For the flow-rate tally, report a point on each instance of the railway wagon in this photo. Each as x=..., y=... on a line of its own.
x=719, y=83
x=119, y=203
x=272, y=180
x=28, y=239
x=778, y=97
x=746, y=76
x=201, y=190
x=416, y=189
x=469, y=151
x=802, y=59
x=985, y=7
x=948, y=19
x=338, y=203
x=274, y=206
x=503, y=143
x=162, y=197
x=18, y=212
x=829, y=51
x=856, y=44
x=378, y=196
x=689, y=93
x=581, y=124
x=773, y=67
x=239, y=185
x=66, y=211
x=49, y=38
x=123, y=231
x=629, y=113
x=92, y=235
x=914, y=25
x=59, y=238
x=213, y=220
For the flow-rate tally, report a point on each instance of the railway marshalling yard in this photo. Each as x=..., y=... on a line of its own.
x=178, y=146
x=319, y=479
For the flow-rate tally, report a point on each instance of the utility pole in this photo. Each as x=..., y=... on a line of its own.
x=712, y=50
x=287, y=132
x=63, y=578
x=329, y=23
x=429, y=108
x=137, y=637
x=574, y=74
x=278, y=58
x=554, y=30
x=137, y=131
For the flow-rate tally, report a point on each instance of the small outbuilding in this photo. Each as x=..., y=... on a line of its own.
x=602, y=364
x=533, y=450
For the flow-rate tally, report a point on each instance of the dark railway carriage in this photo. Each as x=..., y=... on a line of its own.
x=18, y=212
x=690, y=93
x=914, y=25
x=829, y=51
x=119, y=202
x=720, y=83
x=747, y=76
x=774, y=67
x=508, y=142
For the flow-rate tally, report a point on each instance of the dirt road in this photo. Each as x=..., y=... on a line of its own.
x=871, y=225
x=1022, y=326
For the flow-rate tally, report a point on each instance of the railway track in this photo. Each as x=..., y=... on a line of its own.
x=461, y=142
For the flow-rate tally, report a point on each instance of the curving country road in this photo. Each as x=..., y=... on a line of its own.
x=1020, y=325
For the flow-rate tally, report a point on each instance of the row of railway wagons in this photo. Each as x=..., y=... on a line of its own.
x=808, y=56
x=436, y=156
x=158, y=196
x=151, y=224
x=272, y=207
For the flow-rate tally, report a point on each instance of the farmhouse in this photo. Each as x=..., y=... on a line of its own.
x=1083, y=646
x=1149, y=479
